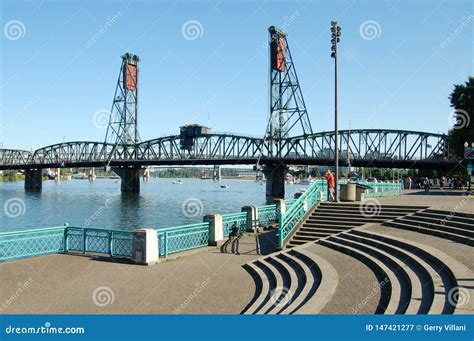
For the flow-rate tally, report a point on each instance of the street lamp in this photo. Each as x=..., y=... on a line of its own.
x=335, y=38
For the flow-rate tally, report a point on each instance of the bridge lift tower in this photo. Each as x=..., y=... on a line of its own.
x=122, y=130
x=288, y=114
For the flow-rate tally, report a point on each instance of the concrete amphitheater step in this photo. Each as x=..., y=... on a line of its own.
x=330, y=222
x=332, y=204
x=322, y=230
x=383, y=209
x=387, y=283
x=421, y=280
x=443, y=234
x=291, y=282
x=446, y=216
x=440, y=227
x=355, y=215
x=456, y=214
x=455, y=275
x=273, y=296
x=444, y=222
x=261, y=291
x=326, y=286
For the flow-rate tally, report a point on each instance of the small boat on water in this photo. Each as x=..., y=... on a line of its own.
x=225, y=186
x=177, y=182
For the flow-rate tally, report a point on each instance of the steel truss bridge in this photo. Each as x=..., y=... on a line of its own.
x=359, y=148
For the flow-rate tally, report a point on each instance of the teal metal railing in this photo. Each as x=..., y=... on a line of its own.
x=267, y=214
x=182, y=238
x=115, y=243
x=231, y=219
x=288, y=221
x=21, y=244
x=382, y=189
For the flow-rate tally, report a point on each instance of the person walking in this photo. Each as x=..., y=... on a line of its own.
x=330, y=180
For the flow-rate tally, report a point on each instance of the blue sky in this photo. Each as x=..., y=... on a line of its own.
x=61, y=65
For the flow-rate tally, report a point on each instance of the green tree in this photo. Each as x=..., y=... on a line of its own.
x=462, y=100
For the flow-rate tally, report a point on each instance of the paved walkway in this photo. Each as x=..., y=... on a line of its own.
x=439, y=199
x=205, y=282
x=211, y=281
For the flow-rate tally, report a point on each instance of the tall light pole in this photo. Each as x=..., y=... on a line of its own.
x=335, y=38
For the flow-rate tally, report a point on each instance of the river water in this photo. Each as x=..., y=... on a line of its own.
x=100, y=203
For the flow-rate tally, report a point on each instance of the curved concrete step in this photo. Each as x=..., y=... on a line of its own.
x=275, y=286
x=310, y=283
x=444, y=222
x=385, y=304
x=420, y=278
x=401, y=285
x=283, y=295
x=456, y=214
x=326, y=286
x=445, y=215
x=443, y=234
x=439, y=227
x=259, y=301
x=438, y=262
x=258, y=286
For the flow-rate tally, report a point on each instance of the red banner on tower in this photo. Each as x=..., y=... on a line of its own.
x=278, y=54
x=130, y=77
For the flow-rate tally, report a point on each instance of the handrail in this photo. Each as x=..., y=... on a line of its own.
x=295, y=214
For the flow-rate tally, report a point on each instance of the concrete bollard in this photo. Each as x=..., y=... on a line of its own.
x=216, y=228
x=145, y=247
x=280, y=206
x=252, y=218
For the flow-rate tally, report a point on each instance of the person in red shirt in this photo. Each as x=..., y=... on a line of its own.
x=330, y=180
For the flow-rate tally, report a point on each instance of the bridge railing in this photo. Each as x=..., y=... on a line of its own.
x=288, y=221
x=182, y=238
x=382, y=189
x=267, y=214
x=21, y=244
x=237, y=219
x=115, y=243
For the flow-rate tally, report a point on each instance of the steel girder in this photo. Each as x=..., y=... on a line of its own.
x=361, y=146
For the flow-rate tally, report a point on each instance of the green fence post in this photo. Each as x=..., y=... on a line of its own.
x=165, y=243
x=111, y=242
x=84, y=240
x=280, y=229
x=66, y=241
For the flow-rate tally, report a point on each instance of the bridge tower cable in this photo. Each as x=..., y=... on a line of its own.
x=288, y=114
x=122, y=130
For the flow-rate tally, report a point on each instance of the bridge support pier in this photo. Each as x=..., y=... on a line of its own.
x=130, y=178
x=33, y=179
x=275, y=187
